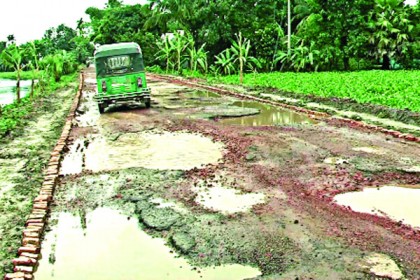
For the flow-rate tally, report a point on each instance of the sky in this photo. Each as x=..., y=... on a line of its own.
x=29, y=19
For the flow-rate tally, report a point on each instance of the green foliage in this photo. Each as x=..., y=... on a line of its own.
x=390, y=28
x=396, y=89
x=59, y=64
x=15, y=114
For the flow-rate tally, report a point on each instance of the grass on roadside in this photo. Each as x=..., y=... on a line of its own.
x=395, y=89
x=16, y=114
x=25, y=75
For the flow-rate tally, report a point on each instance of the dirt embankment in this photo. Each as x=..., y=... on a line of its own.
x=23, y=158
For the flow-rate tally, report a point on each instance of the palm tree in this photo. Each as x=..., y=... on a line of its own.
x=12, y=57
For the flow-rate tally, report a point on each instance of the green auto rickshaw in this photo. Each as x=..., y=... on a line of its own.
x=120, y=75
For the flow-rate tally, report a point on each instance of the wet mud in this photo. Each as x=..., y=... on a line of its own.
x=111, y=246
x=257, y=198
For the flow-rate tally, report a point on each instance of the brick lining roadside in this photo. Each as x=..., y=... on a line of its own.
x=312, y=114
x=29, y=252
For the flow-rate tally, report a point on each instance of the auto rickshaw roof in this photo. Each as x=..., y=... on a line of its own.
x=117, y=49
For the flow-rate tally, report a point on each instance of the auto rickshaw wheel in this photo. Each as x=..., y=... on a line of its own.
x=101, y=108
x=147, y=103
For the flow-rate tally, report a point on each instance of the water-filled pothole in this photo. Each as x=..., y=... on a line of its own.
x=153, y=150
x=382, y=266
x=73, y=161
x=114, y=247
x=398, y=202
x=269, y=115
x=226, y=200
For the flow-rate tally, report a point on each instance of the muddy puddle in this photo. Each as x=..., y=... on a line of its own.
x=226, y=200
x=269, y=115
x=73, y=161
x=151, y=150
x=382, y=266
x=87, y=114
x=112, y=246
x=400, y=203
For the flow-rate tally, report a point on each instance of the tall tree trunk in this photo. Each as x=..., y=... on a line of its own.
x=346, y=62
x=386, y=63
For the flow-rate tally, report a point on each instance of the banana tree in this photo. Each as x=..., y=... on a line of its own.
x=224, y=62
x=197, y=57
x=240, y=49
x=12, y=57
x=33, y=65
x=178, y=44
x=165, y=52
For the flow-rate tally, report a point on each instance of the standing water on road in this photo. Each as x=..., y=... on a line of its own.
x=153, y=150
x=399, y=203
x=269, y=115
x=8, y=90
x=114, y=247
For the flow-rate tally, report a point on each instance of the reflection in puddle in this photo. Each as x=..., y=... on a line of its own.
x=383, y=266
x=399, y=203
x=161, y=151
x=269, y=115
x=227, y=200
x=115, y=248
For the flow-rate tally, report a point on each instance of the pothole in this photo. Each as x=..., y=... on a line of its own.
x=226, y=200
x=88, y=113
x=398, y=202
x=369, y=150
x=269, y=115
x=382, y=266
x=153, y=150
x=73, y=161
x=113, y=247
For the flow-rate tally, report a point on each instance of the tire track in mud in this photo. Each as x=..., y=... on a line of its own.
x=332, y=120
x=29, y=252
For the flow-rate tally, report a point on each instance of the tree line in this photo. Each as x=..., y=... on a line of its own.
x=230, y=36
x=326, y=35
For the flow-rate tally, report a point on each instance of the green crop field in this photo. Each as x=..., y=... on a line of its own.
x=396, y=89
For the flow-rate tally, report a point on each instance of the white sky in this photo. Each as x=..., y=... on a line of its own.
x=29, y=19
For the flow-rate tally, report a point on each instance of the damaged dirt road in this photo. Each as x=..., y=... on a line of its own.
x=204, y=186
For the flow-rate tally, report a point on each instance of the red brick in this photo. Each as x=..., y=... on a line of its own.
x=16, y=275
x=28, y=249
x=25, y=261
x=29, y=255
x=41, y=198
x=34, y=216
x=31, y=234
x=22, y=268
x=42, y=206
x=30, y=240
x=34, y=221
